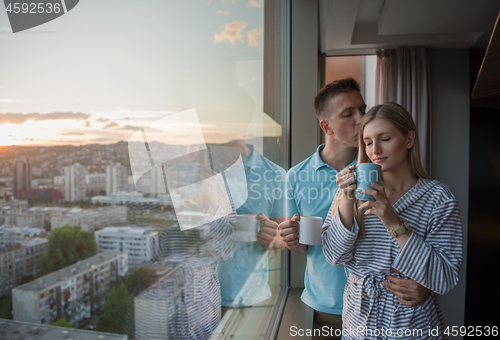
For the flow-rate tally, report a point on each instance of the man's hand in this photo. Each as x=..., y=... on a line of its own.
x=409, y=292
x=289, y=232
x=268, y=234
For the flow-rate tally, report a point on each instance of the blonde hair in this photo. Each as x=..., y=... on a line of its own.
x=401, y=120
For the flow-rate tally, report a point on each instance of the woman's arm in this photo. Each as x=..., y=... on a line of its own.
x=345, y=196
x=338, y=241
x=435, y=261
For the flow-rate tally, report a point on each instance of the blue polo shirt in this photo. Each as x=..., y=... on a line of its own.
x=243, y=277
x=311, y=188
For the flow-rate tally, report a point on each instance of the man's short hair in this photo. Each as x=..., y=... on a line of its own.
x=331, y=90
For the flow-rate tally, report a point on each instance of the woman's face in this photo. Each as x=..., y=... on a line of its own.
x=386, y=145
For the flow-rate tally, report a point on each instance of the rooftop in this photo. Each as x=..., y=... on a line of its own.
x=34, y=242
x=21, y=229
x=124, y=230
x=8, y=249
x=10, y=329
x=68, y=272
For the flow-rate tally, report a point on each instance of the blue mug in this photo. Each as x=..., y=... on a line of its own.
x=367, y=173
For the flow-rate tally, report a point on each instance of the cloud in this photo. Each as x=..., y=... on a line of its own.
x=19, y=118
x=226, y=12
x=254, y=4
x=79, y=141
x=231, y=33
x=102, y=140
x=253, y=36
x=93, y=133
x=111, y=125
x=102, y=120
x=129, y=128
x=135, y=128
x=72, y=133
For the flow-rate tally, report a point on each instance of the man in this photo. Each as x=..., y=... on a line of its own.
x=244, y=276
x=252, y=186
x=311, y=188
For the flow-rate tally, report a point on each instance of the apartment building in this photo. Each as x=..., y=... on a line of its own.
x=141, y=244
x=132, y=197
x=10, y=329
x=20, y=260
x=156, y=309
x=22, y=176
x=59, y=184
x=116, y=178
x=74, y=182
x=17, y=213
x=184, y=297
x=74, y=293
x=90, y=219
x=14, y=205
x=96, y=183
x=10, y=236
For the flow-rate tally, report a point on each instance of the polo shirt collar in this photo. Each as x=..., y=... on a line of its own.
x=253, y=161
x=318, y=163
x=316, y=160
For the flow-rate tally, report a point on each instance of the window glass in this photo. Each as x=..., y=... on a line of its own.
x=142, y=152
x=361, y=68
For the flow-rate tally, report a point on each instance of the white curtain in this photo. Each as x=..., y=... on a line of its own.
x=403, y=76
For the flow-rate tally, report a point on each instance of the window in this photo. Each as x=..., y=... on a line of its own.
x=361, y=68
x=116, y=97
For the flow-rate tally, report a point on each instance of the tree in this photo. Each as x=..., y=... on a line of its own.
x=140, y=278
x=67, y=245
x=26, y=279
x=61, y=323
x=6, y=307
x=119, y=312
x=46, y=226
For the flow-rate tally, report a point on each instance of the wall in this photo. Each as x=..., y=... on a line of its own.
x=483, y=244
x=305, y=134
x=25, y=306
x=450, y=150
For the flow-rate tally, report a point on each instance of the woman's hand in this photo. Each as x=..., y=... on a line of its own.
x=380, y=207
x=347, y=183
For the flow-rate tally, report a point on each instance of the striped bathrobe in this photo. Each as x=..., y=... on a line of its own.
x=432, y=257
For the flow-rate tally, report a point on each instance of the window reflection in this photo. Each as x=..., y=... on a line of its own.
x=144, y=127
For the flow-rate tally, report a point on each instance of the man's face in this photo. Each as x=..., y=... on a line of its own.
x=344, y=113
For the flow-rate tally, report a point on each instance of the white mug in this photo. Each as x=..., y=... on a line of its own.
x=246, y=228
x=310, y=230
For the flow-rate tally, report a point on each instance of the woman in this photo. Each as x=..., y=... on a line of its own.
x=413, y=228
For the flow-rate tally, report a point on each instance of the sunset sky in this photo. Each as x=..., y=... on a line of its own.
x=106, y=68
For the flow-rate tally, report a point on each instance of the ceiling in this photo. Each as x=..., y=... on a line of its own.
x=350, y=27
